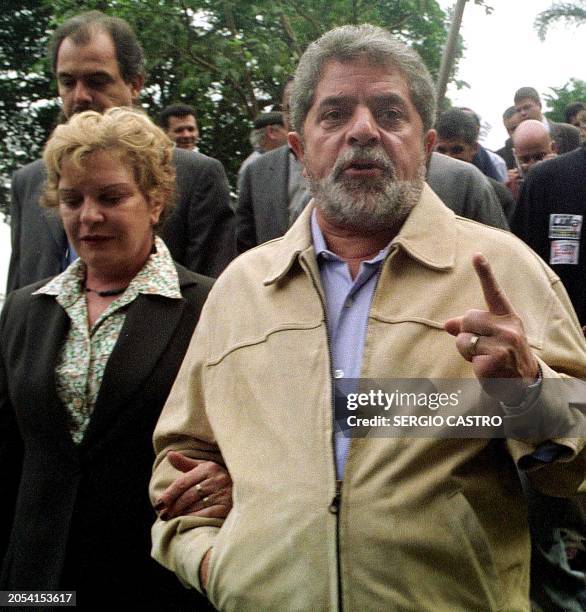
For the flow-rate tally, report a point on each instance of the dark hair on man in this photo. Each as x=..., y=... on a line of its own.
x=174, y=110
x=526, y=92
x=263, y=120
x=572, y=110
x=512, y=110
x=457, y=124
x=82, y=27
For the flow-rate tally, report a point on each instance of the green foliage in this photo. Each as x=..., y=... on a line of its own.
x=571, y=12
x=573, y=91
x=228, y=58
x=25, y=118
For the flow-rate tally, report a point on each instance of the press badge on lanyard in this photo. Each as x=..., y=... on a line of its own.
x=564, y=233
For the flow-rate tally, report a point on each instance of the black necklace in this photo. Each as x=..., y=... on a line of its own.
x=108, y=292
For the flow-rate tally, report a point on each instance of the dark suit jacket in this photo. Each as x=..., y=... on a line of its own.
x=556, y=186
x=199, y=233
x=507, y=154
x=505, y=197
x=80, y=516
x=464, y=189
x=263, y=202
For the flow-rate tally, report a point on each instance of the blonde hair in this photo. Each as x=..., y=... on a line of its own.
x=142, y=145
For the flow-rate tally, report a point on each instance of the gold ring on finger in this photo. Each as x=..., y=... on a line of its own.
x=206, y=502
x=472, y=345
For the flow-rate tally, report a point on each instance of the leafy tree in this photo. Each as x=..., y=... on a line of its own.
x=228, y=58
x=572, y=12
x=573, y=91
x=25, y=115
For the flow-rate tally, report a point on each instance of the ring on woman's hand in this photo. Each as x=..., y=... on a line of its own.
x=206, y=502
x=199, y=489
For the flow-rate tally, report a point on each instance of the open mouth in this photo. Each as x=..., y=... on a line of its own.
x=361, y=168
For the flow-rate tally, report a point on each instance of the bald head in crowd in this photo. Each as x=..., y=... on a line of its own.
x=532, y=143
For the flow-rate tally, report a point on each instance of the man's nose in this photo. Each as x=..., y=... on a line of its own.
x=363, y=128
x=81, y=93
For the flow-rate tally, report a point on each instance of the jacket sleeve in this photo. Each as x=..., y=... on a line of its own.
x=210, y=246
x=245, y=224
x=482, y=204
x=13, y=281
x=180, y=544
x=559, y=413
x=11, y=450
x=200, y=231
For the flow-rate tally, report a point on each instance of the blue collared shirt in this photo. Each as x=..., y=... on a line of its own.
x=348, y=303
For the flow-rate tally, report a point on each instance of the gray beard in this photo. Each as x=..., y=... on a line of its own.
x=368, y=205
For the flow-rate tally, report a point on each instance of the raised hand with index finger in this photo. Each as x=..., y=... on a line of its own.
x=494, y=340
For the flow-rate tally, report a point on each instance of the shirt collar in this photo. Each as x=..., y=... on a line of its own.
x=428, y=236
x=321, y=248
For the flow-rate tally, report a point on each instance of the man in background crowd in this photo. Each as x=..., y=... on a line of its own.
x=180, y=124
x=571, y=112
x=528, y=104
x=550, y=219
x=272, y=191
x=457, y=134
x=532, y=144
x=268, y=133
x=511, y=119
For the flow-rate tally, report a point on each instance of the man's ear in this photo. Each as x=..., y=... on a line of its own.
x=297, y=145
x=429, y=141
x=553, y=147
x=136, y=83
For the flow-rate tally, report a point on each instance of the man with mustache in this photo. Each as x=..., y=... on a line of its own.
x=376, y=279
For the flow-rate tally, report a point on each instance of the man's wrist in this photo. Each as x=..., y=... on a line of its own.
x=530, y=395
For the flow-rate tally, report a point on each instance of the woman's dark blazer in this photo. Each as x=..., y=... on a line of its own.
x=79, y=517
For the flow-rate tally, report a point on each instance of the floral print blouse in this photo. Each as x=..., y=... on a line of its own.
x=85, y=351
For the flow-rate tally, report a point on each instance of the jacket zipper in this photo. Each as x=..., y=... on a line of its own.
x=334, y=506
x=335, y=509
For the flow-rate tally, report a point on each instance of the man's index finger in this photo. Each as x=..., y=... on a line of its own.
x=495, y=298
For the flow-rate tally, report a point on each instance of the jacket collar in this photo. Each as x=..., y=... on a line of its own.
x=428, y=236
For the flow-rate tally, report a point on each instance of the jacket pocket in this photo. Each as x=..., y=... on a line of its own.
x=477, y=564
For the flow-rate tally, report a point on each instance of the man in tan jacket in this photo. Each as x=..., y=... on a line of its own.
x=376, y=280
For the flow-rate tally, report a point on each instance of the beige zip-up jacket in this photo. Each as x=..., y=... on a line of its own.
x=422, y=524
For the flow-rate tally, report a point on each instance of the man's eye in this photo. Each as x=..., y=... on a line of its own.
x=332, y=115
x=97, y=83
x=389, y=115
x=67, y=83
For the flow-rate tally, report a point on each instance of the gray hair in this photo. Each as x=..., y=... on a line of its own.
x=347, y=43
x=256, y=137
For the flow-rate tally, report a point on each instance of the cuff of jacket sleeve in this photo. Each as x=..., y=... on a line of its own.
x=180, y=546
